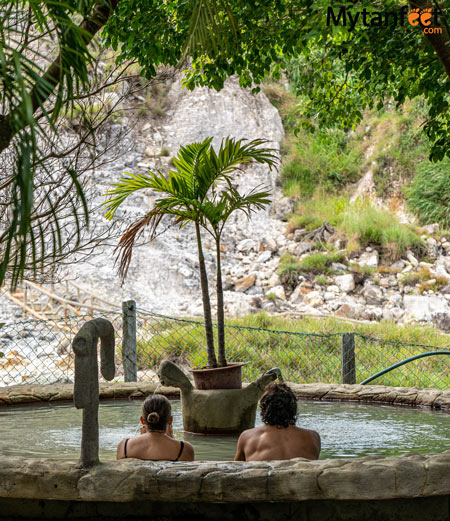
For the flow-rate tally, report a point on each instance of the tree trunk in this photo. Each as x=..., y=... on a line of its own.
x=100, y=15
x=220, y=311
x=439, y=42
x=212, y=362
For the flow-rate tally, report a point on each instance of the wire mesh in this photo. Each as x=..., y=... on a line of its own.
x=373, y=355
x=40, y=352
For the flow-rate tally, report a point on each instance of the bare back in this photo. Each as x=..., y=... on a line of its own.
x=155, y=446
x=272, y=443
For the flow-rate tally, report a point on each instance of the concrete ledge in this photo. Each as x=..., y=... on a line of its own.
x=415, y=396
x=124, y=481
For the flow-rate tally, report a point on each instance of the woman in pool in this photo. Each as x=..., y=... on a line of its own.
x=156, y=441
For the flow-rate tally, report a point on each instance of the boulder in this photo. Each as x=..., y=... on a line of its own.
x=278, y=291
x=369, y=258
x=274, y=280
x=393, y=313
x=414, y=262
x=372, y=313
x=441, y=271
x=304, y=247
x=432, y=248
x=430, y=228
x=373, y=294
x=264, y=256
x=395, y=300
x=420, y=308
x=244, y=283
x=349, y=311
x=313, y=299
x=270, y=244
x=398, y=265
x=338, y=266
x=441, y=319
x=246, y=245
x=297, y=295
x=345, y=283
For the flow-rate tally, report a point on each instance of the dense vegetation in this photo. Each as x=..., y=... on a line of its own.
x=321, y=166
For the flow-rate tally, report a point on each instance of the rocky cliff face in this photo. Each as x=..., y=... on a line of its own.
x=163, y=275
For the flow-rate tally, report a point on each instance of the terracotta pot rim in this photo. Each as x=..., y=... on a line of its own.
x=229, y=366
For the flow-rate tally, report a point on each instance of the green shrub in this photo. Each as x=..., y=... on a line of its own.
x=322, y=280
x=320, y=159
x=319, y=262
x=429, y=194
x=380, y=228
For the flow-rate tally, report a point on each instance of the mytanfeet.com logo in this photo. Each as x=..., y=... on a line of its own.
x=427, y=19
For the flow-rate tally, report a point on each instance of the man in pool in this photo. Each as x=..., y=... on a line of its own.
x=279, y=438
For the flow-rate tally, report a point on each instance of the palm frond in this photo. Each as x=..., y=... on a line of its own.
x=210, y=19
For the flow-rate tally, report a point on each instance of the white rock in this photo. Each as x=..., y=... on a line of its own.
x=398, y=265
x=369, y=258
x=373, y=294
x=412, y=259
x=395, y=300
x=309, y=310
x=345, y=283
x=314, y=299
x=264, y=256
x=246, y=245
x=278, y=291
x=393, y=313
x=430, y=228
x=441, y=271
x=421, y=307
x=297, y=295
x=270, y=244
x=274, y=280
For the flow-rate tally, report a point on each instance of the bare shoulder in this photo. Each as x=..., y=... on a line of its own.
x=249, y=433
x=120, y=449
x=313, y=433
x=188, y=452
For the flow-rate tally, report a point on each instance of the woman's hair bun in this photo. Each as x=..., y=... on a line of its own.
x=153, y=417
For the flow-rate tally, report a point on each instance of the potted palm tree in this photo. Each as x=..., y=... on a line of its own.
x=198, y=191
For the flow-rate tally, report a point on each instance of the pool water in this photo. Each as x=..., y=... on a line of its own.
x=346, y=429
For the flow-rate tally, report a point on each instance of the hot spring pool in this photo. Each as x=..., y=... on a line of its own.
x=346, y=429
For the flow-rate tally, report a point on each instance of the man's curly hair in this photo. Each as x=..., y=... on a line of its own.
x=278, y=405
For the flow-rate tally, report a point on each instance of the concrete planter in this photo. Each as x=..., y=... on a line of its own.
x=218, y=410
x=229, y=377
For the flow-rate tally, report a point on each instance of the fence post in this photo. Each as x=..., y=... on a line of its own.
x=348, y=370
x=129, y=341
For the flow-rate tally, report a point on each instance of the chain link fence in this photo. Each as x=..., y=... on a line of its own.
x=40, y=352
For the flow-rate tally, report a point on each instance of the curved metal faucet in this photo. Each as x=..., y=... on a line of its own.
x=86, y=387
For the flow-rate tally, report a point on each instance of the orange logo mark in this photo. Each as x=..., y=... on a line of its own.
x=422, y=16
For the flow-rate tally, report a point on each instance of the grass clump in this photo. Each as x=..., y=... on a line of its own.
x=321, y=280
x=380, y=228
x=429, y=194
x=288, y=271
x=320, y=262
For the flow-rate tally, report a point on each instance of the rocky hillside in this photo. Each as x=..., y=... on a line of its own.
x=268, y=264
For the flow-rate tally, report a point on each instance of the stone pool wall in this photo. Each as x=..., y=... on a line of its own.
x=411, y=487
x=414, y=396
